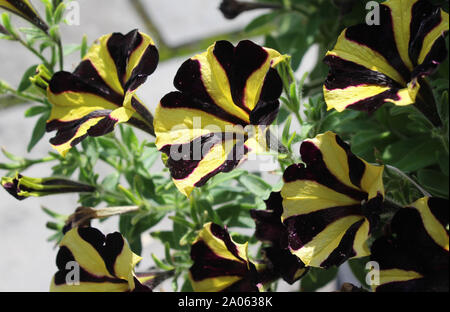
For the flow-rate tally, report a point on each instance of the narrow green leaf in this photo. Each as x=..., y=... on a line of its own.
x=25, y=82
x=317, y=278
x=161, y=264
x=256, y=185
x=38, y=131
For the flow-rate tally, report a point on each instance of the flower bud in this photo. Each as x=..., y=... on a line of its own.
x=22, y=187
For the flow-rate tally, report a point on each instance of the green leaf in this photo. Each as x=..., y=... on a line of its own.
x=203, y=205
x=223, y=177
x=412, y=154
x=256, y=185
x=71, y=48
x=442, y=158
x=161, y=264
x=111, y=181
x=317, y=278
x=59, y=12
x=25, y=82
x=358, y=268
x=6, y=21
x=261, y=21
x=84, y=47
x=286, y=131
x=434, y=181
x=38, y=131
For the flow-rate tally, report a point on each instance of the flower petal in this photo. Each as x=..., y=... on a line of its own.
x=374, y=64
x=220, y=264
x=105, y=263
x=415, y=256
x=329, y=204
x=101, y=91
x=221, y=92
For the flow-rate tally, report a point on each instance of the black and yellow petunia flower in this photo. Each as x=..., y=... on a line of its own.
x=414, y=256
x=220, y=264
x=90, y=261
x=22, y=187
x=207, y=126
x=330, y=205
x=100, y=93
x=270, y=229
x=375, y=64
x=24, y=9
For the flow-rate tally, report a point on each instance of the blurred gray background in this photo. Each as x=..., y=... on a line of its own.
x=27, y=260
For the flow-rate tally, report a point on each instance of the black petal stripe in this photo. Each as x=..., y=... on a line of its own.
x=208, y=265
x=264, y=113
x=233, y=160
x=56, y=191
x=146, y=67
x=239, y=63
x=303, y=228
x=425, y=17
x=268, y=222
x=68, y=129
x=402, y=224
x=380, y=38
x=109, y=247
x=223, y=235
x=92, y=236
x=189, y=154
x=372, y=103
x=85, y=79
x=120, y=48
x=266, y=110
x=113, y=247
x=408, y=286
x=439, y=209
x=65, y=256
x=390, y=255
x=28, y=13
x=345, y=249
x=317, y=170
x=284, y=263
x=102, y=127
x=142, y=111
x=356, y=166
x=434, y=58
x=144, y=126
x=182, y=100
x=344, y=74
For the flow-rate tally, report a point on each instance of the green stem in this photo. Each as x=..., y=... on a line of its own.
x=7, y=87
x=32, y=50
x=61, y=55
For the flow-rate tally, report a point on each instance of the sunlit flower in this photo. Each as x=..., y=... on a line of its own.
x=206, y=127
x=100, y=93
x=220, y=264
x=331, y=202
x=269, y=229
x=90, y=261
x=375, y=64
x=24, y=9
x=22, y=187
x=414, y=255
